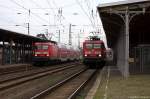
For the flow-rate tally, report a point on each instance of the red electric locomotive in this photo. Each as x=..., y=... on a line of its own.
x=94, y=52
x=51, y=52
x=44, y=52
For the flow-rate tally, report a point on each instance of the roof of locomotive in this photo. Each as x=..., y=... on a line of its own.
x=45, y=43
x=93, y=41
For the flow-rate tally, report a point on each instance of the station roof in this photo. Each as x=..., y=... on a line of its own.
x=113, y=22
x=6, y=35
x=121, y=3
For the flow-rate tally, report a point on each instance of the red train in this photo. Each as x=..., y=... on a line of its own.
x=94, y=52
x=52, y=52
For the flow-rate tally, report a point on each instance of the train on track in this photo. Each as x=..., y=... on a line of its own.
x=53, y=52
x=94, y=52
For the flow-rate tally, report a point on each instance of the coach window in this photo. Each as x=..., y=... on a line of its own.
x=89, y=46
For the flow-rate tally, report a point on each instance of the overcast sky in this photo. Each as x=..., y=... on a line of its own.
x=51, y=16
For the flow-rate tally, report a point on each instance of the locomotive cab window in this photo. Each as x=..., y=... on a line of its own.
x=45, y=47
x=88, y=46
x=38, y=47
x=41, y=47
x=97, y=46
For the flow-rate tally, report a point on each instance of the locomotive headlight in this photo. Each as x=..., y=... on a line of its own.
x=35, y=55
x=85, y=55
x=99, y=55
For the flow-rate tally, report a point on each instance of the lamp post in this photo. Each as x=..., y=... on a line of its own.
x=70, y=42
x=59, y=36
x=28, y=27
x=49, y=19
x=79, y=39
x=28, y=24
x=70, y=36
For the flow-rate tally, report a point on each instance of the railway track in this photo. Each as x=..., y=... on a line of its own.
x=14, y=81
x=14, y=69
x=22, y=68
x=68, y=88
x=21, y=74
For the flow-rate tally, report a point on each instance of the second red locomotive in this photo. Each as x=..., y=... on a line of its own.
x=94, y=52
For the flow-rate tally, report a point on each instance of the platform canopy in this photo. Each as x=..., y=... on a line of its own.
x=113, y=18
x=126, y=24
x=7, y=36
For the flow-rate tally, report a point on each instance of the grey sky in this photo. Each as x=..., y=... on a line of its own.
x=15, y=16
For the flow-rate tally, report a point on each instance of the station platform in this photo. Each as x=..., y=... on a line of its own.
x=110, y=84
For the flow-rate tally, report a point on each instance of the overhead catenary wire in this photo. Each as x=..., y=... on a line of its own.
x=40, y=7
x=90, y=11
x=34, y=2
x=69, y=5
x=22, y=8
x=94, y=15
x=17, y=11
x=55, y=3
x=60, y=14
x=28, y=10
x=50, y=6
x=96, y=20
x=10, y=8
x=59, y=11
x=53, y=8
x=85, y=13
x=14, y=23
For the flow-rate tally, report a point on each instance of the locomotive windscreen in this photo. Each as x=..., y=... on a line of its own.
x=91, y=46
x=41, y=47
x=94, y=38
x=96, y=45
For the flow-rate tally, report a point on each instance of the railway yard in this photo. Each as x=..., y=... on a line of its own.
x=45, y=82
x=71, y=81
x=39, y=67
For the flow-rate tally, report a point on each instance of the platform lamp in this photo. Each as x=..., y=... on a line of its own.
x=70, y=33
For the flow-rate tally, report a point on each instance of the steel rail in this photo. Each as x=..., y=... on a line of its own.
x=12, y=83
x=34, y=73
x=81, y=86
x=45, y=92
